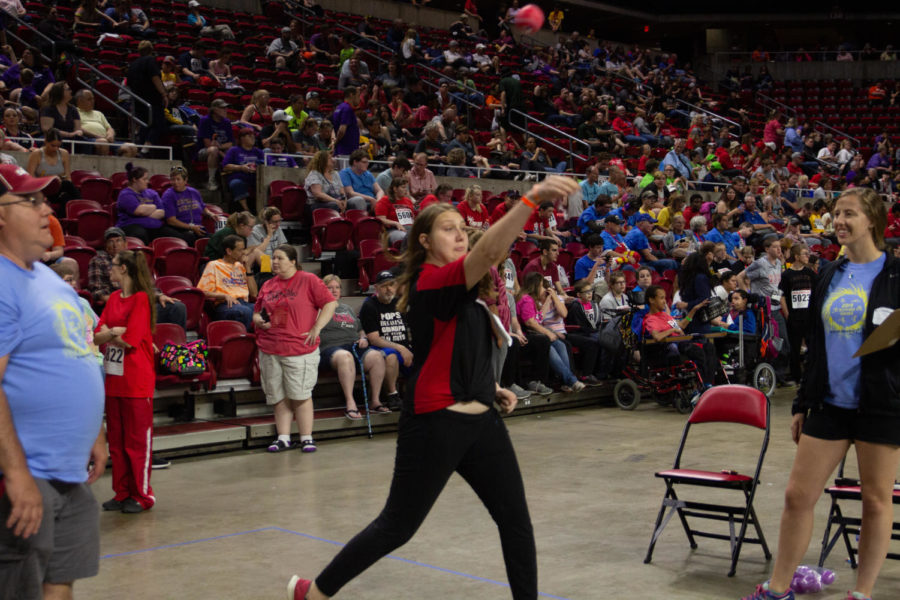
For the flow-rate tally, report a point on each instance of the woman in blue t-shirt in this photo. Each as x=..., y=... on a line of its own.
x=845, y=399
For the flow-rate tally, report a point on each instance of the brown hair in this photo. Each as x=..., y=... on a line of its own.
x=415, y=254
x=873, y=207
x=136, y=267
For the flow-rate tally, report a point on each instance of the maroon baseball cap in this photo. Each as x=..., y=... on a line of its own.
x=16, y=180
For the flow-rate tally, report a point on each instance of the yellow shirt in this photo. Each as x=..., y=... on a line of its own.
x=94, y=123
x=222, y=278
x=665, y=216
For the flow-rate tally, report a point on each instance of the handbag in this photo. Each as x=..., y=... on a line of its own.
x=715, y=308
x=184, y=359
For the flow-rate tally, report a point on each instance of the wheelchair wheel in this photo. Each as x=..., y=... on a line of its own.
x=764, y=378
x=626, y=394
x=684, y=401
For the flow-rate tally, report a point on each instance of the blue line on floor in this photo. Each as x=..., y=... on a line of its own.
x=189, y=542
x=318, y=539
x=418, y=564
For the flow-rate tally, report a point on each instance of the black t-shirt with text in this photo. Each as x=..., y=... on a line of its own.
x=385, y=319
x=796, y=286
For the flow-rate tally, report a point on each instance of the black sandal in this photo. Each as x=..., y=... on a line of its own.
x=381, y=409
x=350, y=414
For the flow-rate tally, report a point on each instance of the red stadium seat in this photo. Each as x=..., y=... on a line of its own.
x=181, y=261
x=97, y=188
x=91, y=226
x=83, y=256
x=232, y=350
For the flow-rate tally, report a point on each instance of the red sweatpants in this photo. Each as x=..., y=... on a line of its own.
x=129, y=432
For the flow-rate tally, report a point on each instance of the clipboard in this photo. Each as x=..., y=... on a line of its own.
x=885, y=335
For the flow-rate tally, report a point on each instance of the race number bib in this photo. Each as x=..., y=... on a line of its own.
x=404, y=216
x=551, y=222
x=800, y=299
x=509, y=279
x=113, y=360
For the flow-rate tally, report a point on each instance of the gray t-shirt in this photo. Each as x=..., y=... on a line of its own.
x=259, y=234
x=384, y=179
x=342, y=329
x=765, y=277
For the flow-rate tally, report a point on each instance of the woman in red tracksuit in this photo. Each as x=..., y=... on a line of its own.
x=125, y=334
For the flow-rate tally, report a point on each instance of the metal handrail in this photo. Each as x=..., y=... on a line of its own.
x=714, y=115
x=33, y=30
x=762, y=99
x=73, y=143
x=571, y=138
x=788, y=55
x=130, y=113
x=837, y=131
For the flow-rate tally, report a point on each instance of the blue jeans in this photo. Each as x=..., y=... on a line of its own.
x=662, y=264
x=559, y=362
x=241, y=311
x=640, y=139
x=239, y=189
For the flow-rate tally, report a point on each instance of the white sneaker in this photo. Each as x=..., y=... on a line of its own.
x=211, y=185
x=578, y=386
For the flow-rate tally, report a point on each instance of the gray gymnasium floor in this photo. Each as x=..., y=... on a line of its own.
x=236, y=526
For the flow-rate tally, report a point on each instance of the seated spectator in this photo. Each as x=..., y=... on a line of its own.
x=358, y=182
x=131, y=20
x=542, y=225
x=275, y=154
x=659, y=325
x=52, y=159
x=627, y=130
x=739, y=300
x=399, y=167
x=258, y=113
x=207, y=29
x=278, y=128
x=225, y=282
x=591, y=220
x=421, y=180
x=637, y=241
x=325, y=136
x=534, y=158
x=264, y=239
x=193, y=63
x=284, y=52
x=94, y=125
x=180, y=122
x=13, y=127
x=473, y=210
x=354, y=72
x=184, y=207
x=140, y=209
x=616, y=298
x=443, y=193
x=220, y=71
x=216, y=138
x=307, y=141
x=61, y=115
x=387, y=331
x=396, y=210
x=535, y=298
x=678, y=242
x=100, y=285
x=546, y=264
x=728, y=282
x=88, y=18
x=239, y=168
x=720, y=234
x=238, y=223
x=431, y=144
x=324, y=188
x=337, y=341
x=672, y=208
x=593, y=266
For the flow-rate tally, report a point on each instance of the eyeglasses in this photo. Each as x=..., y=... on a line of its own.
x=35, y=201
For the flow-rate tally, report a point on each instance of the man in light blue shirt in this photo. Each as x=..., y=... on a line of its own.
x=590, y=187
x=592, y=217
x=637, y=241
x=52, y=444
x=720, y=235
x=678, y=159
x=358, y=182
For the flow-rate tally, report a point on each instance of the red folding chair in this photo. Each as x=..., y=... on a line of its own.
x=737, y=405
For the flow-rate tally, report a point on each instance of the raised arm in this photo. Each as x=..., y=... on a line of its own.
x=496, y=241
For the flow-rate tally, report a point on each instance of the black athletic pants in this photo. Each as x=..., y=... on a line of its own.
x=796, y=331
x=430, y=448
x=537, y=350
x=588, y=357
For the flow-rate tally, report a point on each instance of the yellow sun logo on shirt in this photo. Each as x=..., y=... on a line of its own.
x=845, y=310
x=70, y=326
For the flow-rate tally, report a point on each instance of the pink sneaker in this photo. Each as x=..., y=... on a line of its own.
x=297, y=588
x=856, y=596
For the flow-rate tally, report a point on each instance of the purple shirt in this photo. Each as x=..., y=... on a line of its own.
x=878, y=160
x=344, y=115
x=238, y=156
x=129, y=200
x=186, y=206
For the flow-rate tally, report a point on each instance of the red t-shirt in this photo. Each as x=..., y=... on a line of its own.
x=537, y=225
x=474, y=219
x=403, y=211
x=550, y=272
x=660, y=321
x=138, y=372
x=293, y=305
x=499, y=212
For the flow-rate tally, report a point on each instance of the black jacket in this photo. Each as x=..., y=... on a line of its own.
x=880, y=371
x=577, y=316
